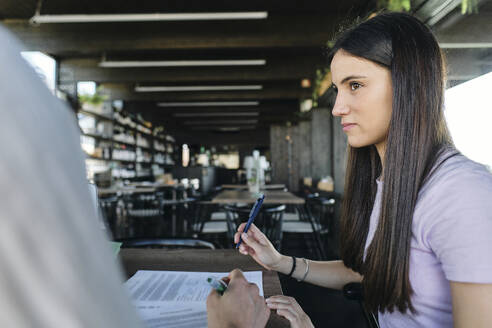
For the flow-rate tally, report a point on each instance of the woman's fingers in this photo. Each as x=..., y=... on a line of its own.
x=279, y=299
x=253, y=232
x=240, y=228
x=259, y=236
x=251, y=241
x=286, y=310
x=246, y=250
x=281, y=306
x=254, y=228
x=287, y=315
x=243, y=249
x=289, y=308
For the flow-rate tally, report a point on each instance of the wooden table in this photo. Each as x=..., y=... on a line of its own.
x=245, y=187
x=135, y=188
x=124, y=190
x=223, y=260
x=244, y=196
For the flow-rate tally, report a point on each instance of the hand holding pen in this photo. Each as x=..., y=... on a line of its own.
x=240, y=306
x=252, y=216
x=257, y=245
x=220, y=285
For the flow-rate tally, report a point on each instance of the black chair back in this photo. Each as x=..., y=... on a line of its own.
x=269, y=221
x=272, y=224
x=109, y=206
x=143, y=213
x=354, y=291
x=166, y=243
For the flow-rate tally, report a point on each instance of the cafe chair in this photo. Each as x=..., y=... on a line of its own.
x=177, y=203
x=144, y=213
x=269, y=221
x=272, y=224
x=109, y=211
x=354, y=291
x=312, y=222
x=166, y=243
x=291, y=217
x=209, y=221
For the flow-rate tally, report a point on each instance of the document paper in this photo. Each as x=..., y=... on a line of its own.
x=176, y=298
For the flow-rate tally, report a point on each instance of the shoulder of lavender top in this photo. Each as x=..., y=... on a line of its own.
x=459, y=177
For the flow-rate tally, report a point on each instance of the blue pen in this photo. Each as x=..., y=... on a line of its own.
x=252, y=216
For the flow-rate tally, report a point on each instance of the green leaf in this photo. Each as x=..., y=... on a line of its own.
x=469, y=7
x=395, y=5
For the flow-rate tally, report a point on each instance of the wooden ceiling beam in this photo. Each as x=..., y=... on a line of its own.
x=276, y=69
x=472, y=31
x=265, y=107
x=279, y=30
x=127, y=93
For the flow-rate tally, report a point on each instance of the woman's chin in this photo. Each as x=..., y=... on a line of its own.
x=354, y=143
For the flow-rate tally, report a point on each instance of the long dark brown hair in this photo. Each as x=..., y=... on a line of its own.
x=417, y=137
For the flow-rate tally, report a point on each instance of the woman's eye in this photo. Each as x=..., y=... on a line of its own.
x=354, y=86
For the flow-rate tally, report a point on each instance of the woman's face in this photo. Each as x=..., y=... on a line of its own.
x=364, y=99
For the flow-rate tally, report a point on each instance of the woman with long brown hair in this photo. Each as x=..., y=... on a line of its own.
x=416, y=225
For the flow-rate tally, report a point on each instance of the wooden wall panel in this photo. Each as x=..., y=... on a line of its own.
x=294, y=153
x=339, y=155
x=319, y=148
x=278, y=150
x=321, y=143
x=304, y=149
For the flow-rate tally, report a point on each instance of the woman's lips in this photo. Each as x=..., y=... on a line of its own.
x=348, y=126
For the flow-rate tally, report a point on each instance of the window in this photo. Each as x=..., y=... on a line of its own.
x=468, y=112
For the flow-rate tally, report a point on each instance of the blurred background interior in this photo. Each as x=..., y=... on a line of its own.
x=186, y=109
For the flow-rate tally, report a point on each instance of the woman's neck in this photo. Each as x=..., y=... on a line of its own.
x=381, y=149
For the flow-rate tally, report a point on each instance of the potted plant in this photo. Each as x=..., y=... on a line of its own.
x=94, y=102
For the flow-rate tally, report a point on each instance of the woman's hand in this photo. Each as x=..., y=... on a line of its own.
x=257, y=245
x=288, y=308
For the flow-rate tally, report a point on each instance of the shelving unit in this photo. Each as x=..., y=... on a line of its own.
x=129, y=151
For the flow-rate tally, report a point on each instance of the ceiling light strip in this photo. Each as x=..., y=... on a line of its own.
x=221, y=128
x=107, y=18
x=182, y=63
x=196, y=88
x=232, y=114
x=208, y=104
x=198, y=122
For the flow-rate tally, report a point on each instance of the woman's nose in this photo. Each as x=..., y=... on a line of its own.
x=340, y=108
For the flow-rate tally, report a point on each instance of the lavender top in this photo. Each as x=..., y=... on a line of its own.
x=451, y=240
